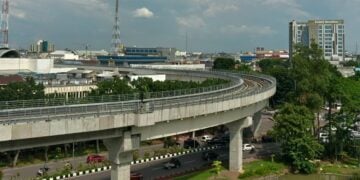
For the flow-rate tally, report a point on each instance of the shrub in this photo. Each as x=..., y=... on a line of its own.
x=146, y=155
x=135, y=155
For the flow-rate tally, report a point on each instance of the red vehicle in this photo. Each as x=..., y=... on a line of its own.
x=136, y=176
x=95, y=159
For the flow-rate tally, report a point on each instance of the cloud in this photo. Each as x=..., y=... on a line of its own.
x=143, y=13
x=191, y=22
x=214, y=7
x=290, y=6
x=249, y=30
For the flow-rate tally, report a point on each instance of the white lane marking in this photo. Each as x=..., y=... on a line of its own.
x=188, y=162
x=223, y=155
x=155, y=169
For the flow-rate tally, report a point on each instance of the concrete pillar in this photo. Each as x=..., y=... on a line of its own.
x=120, y=154
x=236, y=143
x=256, y=123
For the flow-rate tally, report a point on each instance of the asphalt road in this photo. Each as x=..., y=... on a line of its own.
x=150, y=170
x=154, y=169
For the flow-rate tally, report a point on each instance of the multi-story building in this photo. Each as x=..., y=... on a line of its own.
x=328, y=34
x=42, y=47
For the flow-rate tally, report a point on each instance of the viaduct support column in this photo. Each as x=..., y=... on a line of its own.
x=120, y=154
x=236, y=143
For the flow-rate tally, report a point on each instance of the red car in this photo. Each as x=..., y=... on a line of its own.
x=95, y=159
x=136, y=176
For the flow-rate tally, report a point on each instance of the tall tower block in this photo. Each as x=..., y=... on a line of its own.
x=5, y=24
x=116, y=42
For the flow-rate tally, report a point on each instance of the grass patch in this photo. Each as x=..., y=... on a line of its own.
x=262, y=168
x=339, y=168
x=203, y=175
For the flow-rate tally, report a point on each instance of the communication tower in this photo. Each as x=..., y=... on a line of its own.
x=116, y=42
x=5, y=24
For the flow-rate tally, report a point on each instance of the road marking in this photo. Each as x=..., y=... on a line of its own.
x=223, y=155
x=188, y=162
x=158, y=168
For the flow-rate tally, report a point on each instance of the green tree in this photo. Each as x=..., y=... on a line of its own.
x=112, y=87
x=224, y=63
x=293, y=130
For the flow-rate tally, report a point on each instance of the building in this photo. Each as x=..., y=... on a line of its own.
x=42, y=46
x=66, y=55
x=136, y=55
x=328, y=34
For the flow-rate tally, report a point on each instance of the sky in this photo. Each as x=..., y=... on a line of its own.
x=210, y=25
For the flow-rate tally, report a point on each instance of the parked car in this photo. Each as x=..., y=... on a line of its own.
x=173, y=163
x=136, y=176
x=206, y=138
x=210, y=156
x=248, y=147
x=219, y=141
x=95, y=158
x=191, y=143
x=324, y=137
x=43, y=171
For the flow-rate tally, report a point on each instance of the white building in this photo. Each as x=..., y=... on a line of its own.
x=328, y=34
x=154, y=77
x=66, y=55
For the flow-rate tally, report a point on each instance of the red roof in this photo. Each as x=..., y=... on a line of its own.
x=4, y=80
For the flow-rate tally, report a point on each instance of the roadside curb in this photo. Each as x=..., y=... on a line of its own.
x=105, y=168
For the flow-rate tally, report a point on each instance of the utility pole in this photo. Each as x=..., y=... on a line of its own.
x=5, y=24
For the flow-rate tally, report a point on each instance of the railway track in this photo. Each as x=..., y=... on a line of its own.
x=247, y=85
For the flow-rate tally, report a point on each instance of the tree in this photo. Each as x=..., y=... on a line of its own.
x=224, y=63
x=293, y=130
x=22, y=90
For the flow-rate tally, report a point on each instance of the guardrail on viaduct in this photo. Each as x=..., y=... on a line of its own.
x=25, y=123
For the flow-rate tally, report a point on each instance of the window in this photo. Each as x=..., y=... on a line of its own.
x=328, y=27
x=328, y=31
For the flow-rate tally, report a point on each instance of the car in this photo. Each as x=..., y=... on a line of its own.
x=191, y=143
x=206, y=138
x=219, y=141
x=95, y=159
x=324, y=137
x=173, y=163
x=248, y=147
x=136, y=176
x=210, y=156
x=43, y=171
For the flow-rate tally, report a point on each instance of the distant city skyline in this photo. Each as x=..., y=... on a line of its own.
x=212, y=25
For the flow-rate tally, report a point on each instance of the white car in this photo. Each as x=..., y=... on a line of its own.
x=248, y=147
x=206, y=138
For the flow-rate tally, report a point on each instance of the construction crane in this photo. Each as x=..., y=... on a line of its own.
x=5, y=24
x=116, y=42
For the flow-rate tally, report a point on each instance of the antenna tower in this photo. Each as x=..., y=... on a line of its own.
x=5, y=24
x=116, y=42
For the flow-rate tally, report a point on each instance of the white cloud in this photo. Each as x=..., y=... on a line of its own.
x=190, y=22
x=214, y=7
x=290, y=6
x=249, y=30
x=143, y=13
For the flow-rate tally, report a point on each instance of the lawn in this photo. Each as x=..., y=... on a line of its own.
x=252, y=170
x=339, y=168
x=261, y=168
x=197, y=175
